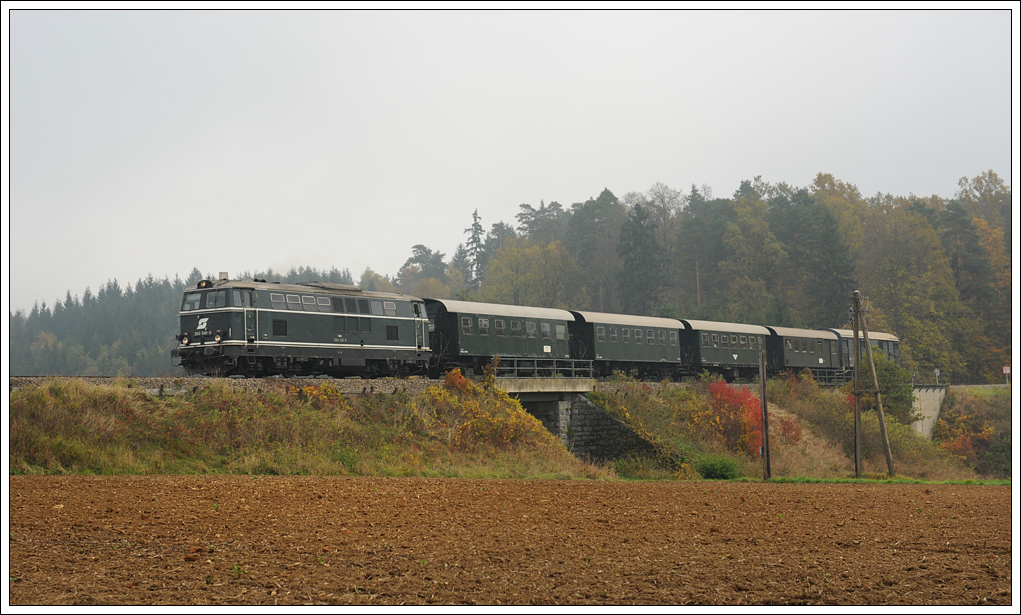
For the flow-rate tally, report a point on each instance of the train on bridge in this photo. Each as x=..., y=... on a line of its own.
x=254, y=328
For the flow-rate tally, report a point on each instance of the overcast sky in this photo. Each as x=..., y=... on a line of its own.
x=155, y=142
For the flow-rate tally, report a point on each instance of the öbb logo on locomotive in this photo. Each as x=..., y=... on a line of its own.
x=254, y=328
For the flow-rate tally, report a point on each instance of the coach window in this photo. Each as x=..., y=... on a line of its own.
x=804, y=345
x=483, y=326
x=561, y=332
x=277, y=301
x=733, y=341
x=600, y=334
x=363, y=306
x=192, y=302
x=280, y=328
x=705, y=340
x=324, y=304
x=501, y=328
x=466, y=325
x=613, y=335
x=638, y=336
x=662, y=338
x=788, y=345
x=544, y=330
x=716, y=340
x=724, y=341
x=308, y=303
x=744, y=341
x=625, y=335
x=751, y=343
x=650, y=337
x=673, y=338
x=216, y=299
x=530, y=328
x=390, y=308
x=515, y=328
x=293, y=302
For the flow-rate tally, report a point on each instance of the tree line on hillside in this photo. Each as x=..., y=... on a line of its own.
x=938, y=272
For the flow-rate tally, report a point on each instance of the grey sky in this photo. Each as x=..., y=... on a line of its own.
x=154, y=142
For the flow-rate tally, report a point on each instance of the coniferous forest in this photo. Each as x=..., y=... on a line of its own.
x=937, y=271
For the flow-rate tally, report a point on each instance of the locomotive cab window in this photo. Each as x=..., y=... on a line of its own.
x=216, y=299
x=390, y=308
x=191, y=302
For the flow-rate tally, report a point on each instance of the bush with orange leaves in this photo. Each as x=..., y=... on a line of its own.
x=486, y=419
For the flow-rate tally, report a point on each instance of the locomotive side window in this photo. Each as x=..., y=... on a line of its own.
x=308, y=303
x=352, y=324
x=515, y=328
x=390, y=308
x=561, y=332
x=391, y=333
x=363, y=306
x=673, y=338
x=280, y=327
x=338, y=304
x=277, y=301
x=600, y=334
x=350, y=305
x=530, y=328
x=377, y=308
x=501, y=328
x=365, y=325
x=191, y=302
x=324, y=304
x=483, y=326
x=625, y=336
x=293, y=302
x=216, y=299
x=613, y=335
x=338, y=324
x=466, y=325
x=544, y=328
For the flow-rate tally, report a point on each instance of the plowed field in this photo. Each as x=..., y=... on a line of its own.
x=183, y=540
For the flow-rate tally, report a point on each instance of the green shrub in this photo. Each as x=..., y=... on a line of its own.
x=718, y=467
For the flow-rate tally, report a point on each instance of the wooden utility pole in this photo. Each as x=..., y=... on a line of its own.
x=856, y=390
x=859, y=318
x=766, y=470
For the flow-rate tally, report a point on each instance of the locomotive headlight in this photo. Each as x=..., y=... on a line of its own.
x=216, y=338
x=184, y=339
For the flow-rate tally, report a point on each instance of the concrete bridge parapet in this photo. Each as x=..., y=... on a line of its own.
x=927, y=403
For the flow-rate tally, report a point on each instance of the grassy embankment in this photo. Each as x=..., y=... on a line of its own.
x=458, y=428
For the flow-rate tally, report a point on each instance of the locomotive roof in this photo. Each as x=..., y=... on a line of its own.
x=794, y=332
x=495, y=309
x=873, y=335
x=329, y=288
x=627, y=319
x=729, y=327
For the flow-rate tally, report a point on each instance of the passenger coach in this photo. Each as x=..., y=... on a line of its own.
x=640, y=345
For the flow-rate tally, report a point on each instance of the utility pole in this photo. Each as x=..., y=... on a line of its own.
x=766, y=470
x=859, y=318
x=856, y=390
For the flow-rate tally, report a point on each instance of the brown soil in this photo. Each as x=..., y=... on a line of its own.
x=377, y=541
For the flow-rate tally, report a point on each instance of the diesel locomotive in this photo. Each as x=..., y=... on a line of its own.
x=254, y=328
